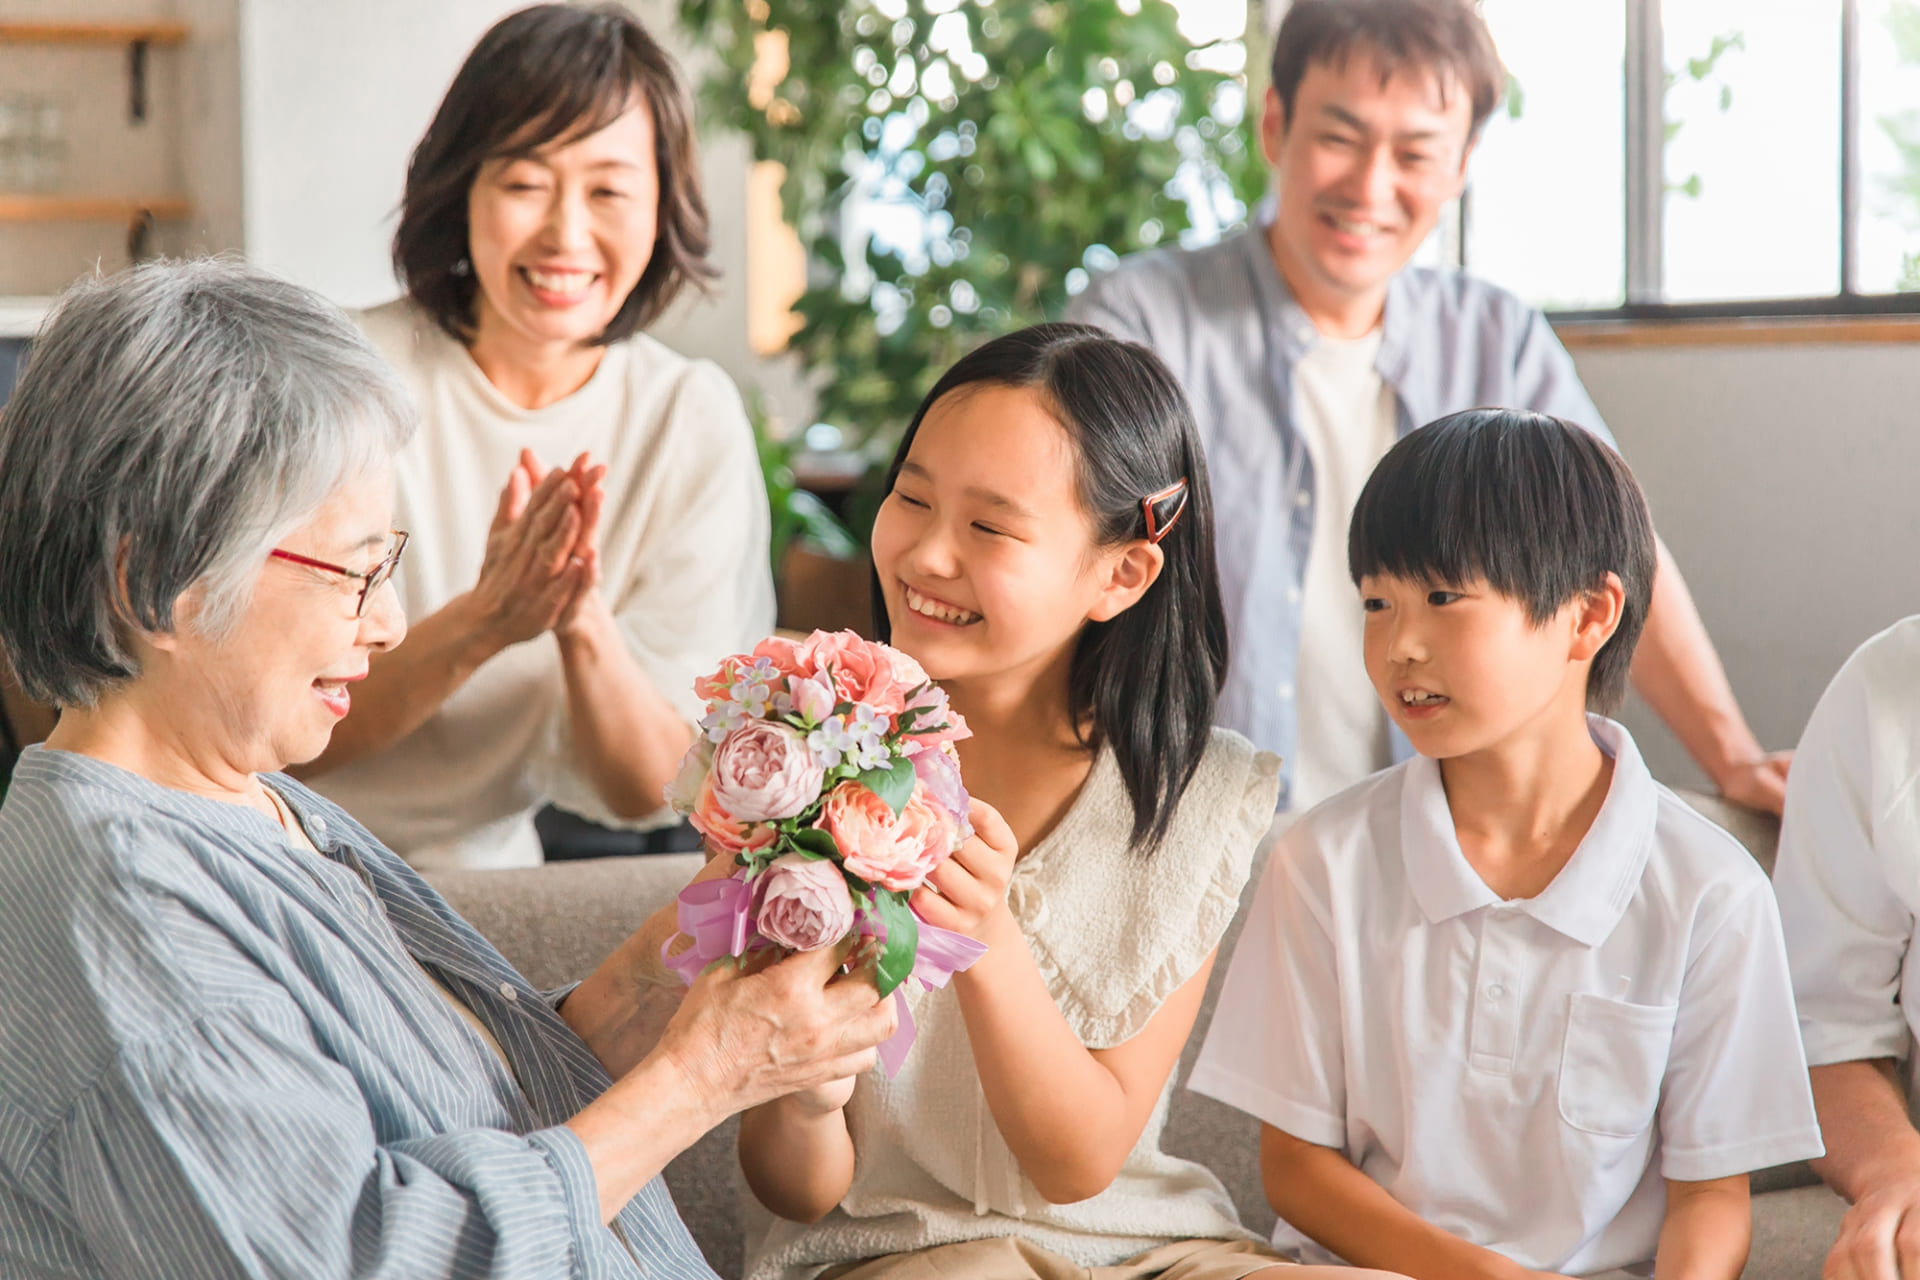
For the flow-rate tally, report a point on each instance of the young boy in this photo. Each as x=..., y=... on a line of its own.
x=1511, y=1007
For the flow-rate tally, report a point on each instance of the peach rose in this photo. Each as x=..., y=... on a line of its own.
x=784, y=654
x=861, y=670
x=723, y=832
x=895, y=852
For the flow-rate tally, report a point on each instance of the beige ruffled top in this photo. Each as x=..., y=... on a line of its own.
x=1114, y=934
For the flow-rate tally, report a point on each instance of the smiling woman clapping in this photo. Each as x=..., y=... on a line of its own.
x=592, y=523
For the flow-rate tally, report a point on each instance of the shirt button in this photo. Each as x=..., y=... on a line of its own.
x=507, y=992
x=1496, y=991
x=318, y=825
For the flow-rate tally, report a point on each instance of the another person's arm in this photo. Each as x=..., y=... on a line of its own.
x=525, y=583
x=700, y=587
x=1678, y=673
x=1873, y=1161
x=1708, y=1231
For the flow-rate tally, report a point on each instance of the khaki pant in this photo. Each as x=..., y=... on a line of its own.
x=1012, y=1259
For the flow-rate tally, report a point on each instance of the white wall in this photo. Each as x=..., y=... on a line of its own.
x=1786, y=480
x=335, y=96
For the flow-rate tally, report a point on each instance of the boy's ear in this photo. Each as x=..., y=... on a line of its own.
x=1597, y=616
x=1128, y=576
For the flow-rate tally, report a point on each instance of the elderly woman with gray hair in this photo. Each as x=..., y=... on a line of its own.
x=241, y=1037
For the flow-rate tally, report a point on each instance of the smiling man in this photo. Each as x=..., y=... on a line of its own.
x=1309, y=345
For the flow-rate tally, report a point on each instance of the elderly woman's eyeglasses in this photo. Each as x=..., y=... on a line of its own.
x=370, y=581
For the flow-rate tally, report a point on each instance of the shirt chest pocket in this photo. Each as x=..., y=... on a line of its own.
x=1612, y=1063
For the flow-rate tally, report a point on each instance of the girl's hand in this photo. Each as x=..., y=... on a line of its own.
x=966, y=890
x=822, y=1099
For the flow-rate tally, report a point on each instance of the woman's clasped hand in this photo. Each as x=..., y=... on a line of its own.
x=542, y=563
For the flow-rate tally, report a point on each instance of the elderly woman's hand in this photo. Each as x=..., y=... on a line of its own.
x=747, y=1037
x=530, y=574
x=739, y=1038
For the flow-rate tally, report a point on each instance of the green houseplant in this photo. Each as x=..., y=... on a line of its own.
x=955, y=167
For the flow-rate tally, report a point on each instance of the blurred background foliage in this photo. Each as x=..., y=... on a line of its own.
x=955, y=168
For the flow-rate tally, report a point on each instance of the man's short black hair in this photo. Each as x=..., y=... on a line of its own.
x=1537, y=507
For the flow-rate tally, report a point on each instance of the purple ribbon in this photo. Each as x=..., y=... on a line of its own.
x=941, y=954
x=717, y=915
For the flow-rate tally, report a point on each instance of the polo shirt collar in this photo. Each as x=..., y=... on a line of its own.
x=1289, y=323
x=1586, y=900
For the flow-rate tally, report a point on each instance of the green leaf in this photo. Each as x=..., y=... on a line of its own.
x=894, y=784
x=903, y=939
x=814, y=843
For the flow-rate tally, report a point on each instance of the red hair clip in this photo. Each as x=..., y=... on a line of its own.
x=1158, y=526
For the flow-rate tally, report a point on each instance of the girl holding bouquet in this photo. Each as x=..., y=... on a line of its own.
x=1045, y=552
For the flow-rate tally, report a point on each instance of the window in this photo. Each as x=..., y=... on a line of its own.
x=1711, y=157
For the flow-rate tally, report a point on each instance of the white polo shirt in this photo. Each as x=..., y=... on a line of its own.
x=1524, y=1073
x=1848, y=875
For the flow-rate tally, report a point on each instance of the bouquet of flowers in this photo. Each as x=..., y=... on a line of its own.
x=826, y=767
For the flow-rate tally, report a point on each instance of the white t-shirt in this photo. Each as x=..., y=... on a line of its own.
x=683, y=553
x=1348, y=419
x=1523, y=1074
x=1848, y=875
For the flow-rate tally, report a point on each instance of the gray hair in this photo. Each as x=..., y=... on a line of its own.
x=172, y=424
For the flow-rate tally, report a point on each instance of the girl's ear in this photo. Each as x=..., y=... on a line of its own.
x=1596, y=617
x=1129, y=573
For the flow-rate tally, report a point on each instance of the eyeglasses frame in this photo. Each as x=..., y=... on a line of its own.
x=371, y=580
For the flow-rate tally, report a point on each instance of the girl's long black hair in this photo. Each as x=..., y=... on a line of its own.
x=1146, y=680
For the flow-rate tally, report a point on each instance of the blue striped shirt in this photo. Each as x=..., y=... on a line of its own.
x=219, y=1057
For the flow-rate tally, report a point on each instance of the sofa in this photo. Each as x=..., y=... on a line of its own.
x=558, y=921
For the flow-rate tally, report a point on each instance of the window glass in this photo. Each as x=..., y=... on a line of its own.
x=1753, y=149
x=1545, y=202
x=1889, y=237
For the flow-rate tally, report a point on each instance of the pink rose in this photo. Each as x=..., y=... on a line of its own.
x=784, y=654
x=813, y=698
x=804, y=903
x=895, y=852
x=937, y=722
x=723, y=832
x=938, y=772
x=907, y=673
x=763, y=771
x=861, y=670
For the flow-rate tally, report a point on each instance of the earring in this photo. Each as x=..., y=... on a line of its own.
x=462, y=267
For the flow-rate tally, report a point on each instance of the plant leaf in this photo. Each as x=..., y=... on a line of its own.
x=814, y=843
x=903, y=939
x=894, y=784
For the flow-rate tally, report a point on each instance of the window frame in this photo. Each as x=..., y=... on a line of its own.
x=1645, y=187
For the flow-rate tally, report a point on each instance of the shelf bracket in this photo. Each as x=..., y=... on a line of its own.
x=137, y=81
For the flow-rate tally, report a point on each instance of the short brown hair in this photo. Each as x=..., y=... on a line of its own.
x=549, y=72
x=1448, y=37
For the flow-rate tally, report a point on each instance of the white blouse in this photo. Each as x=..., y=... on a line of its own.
x=683, y=550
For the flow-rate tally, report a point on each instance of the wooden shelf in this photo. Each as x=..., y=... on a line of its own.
x=156, y=32
x=51, y=208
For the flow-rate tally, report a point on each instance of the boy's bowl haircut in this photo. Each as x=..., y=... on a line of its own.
x=1538, y=508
